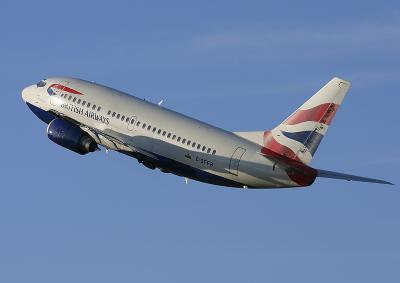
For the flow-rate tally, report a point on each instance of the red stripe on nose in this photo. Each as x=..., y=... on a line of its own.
x=65, y=88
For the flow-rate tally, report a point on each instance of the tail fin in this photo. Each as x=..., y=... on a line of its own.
x=299, y=136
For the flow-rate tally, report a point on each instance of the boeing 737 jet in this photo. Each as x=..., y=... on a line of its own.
x=83, y=115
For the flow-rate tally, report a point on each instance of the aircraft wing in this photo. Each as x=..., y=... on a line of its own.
x=122, y=142
x=119, y=141
x=336, y=175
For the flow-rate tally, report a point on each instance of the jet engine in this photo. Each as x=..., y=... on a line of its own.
x=70, y=136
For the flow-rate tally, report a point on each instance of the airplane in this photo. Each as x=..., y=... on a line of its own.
x=82, y=115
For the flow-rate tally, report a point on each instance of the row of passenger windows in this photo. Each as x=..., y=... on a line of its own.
x=169, y=135
x=78, y=101
x=161, y=132
x=119, y=116
x=154, y=130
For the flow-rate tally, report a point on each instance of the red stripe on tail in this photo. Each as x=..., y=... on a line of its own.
x=323, y=113
x=271, y=144
x=299, y=173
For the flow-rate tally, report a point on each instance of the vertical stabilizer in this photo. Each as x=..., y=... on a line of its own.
x=299, y=136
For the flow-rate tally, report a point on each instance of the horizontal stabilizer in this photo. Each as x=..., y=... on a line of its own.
x=336, y=175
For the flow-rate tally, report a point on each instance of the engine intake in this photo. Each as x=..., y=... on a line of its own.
x=70, y=136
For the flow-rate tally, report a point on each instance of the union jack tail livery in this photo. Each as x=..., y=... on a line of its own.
x=299, y=136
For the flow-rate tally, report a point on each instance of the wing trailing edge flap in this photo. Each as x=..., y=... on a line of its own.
x=347, y=177
x=119, y=141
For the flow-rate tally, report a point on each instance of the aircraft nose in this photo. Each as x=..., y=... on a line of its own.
x=25, y=93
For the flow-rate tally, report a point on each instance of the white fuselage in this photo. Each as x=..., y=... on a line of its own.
x=157, y=136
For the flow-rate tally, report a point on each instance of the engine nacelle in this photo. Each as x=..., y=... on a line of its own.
x=70, y=136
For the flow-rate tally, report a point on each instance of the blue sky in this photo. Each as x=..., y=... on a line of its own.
x=241, y=65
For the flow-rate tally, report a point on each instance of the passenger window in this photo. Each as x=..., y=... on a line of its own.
x=123, y=118
x=164, y=133
x=154, y=129
x=183, y=141
x=148, y=127
x=144, y=126
x=118, y=115
x=88, y=105
x=214, y=151
x=132, y=121
x=83, y=103
x=73, y=100
x=173, y=137
x=193, y=144
x=94, y=106
x=98, y=108
x=159, y=131
x=70, y=97
x=79, y=101
x=179, y=138
x=138, y=123
x=109, y=112
x=204, y=148
x=114, y=114
x=208, y=150
x=188, y=143
x=169, y=135
x=198, y=146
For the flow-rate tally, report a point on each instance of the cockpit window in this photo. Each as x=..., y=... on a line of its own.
x=42, y=83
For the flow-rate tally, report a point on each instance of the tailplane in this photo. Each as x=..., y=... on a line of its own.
x=299, y=136
x=347, y=177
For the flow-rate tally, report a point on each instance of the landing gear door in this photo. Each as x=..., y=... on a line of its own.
x=235, y=160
